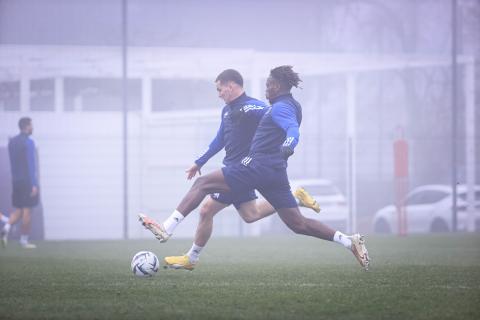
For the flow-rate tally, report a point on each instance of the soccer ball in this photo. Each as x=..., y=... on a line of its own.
x=144, y=264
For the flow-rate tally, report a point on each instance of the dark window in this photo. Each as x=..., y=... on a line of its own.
x=100, y=94
x=42, y=95
x=10, y=96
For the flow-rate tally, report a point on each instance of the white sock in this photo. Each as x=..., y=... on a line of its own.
x=194, y=253
x=4, y=218
x=173, y=221
x=342, y=239
x=6, y=227
x=24, y=238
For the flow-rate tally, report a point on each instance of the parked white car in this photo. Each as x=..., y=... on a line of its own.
x=429, y=210
x=333, y=204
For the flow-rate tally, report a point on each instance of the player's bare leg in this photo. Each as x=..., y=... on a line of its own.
x=250, y=212
x=14, y=217
x=204, y=230
x=26, y=227
x=210, y=183
x=310, y=227
x=302, y=225
x=204, y=185
x=205, y=225
x=255, y=210
x=26, y=221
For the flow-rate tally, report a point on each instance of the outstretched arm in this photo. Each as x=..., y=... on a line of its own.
x=214, y=147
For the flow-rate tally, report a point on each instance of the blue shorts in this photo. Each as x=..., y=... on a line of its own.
x=270, y=181
x=21, y=195
x=234, y=198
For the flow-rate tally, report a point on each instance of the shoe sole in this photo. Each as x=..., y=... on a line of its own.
x=146, y=222
x=177, y=267
x=364, y=259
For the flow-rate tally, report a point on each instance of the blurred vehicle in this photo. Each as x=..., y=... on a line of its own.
x=429, y=210
x=333, y=204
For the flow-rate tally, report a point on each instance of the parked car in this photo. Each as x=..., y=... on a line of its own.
x=429, y=210
x=333, y=204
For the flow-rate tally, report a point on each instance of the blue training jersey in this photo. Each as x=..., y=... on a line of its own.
x=239, y=121
x=21, y=150
x=278, y=127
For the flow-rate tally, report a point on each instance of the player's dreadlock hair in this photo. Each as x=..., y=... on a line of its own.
x=286, y=77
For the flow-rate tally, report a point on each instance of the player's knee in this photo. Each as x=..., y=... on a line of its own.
x=202, y=184
x=206, y=212
x=198, y=182
x=249, y=218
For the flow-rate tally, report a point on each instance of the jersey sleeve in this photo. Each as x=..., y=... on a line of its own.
x=32, y=171
x=286, y=118
x=214, y=147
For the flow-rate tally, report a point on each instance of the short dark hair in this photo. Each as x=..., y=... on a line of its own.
x=230, y=75
x=286, y=77
x=24, y=122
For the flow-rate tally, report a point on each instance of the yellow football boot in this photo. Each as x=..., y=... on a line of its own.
x=306, y=200
x=179, y=262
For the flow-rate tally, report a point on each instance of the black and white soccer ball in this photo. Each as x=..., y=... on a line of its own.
x=145, y=264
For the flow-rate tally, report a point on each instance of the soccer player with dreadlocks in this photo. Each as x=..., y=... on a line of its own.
x=239, y=120
x=265, y=169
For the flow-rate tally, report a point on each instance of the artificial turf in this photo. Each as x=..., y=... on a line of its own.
x=290, y=277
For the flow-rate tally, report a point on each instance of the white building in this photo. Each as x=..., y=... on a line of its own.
x=74, y=96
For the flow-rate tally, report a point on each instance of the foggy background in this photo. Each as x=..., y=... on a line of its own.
x=374, y=72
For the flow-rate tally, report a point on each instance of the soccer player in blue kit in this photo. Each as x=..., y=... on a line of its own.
x=265, y=169
x=239, y=120
x=25, y=195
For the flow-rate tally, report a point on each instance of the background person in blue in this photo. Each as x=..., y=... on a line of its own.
x=265, y=169
x=239, y=120
x=21, y=149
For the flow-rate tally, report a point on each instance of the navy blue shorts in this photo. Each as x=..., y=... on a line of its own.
x=271, y=182
x=234, y=198
x=21, y=195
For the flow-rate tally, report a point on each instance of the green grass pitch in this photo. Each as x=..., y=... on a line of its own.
x=290, y=277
